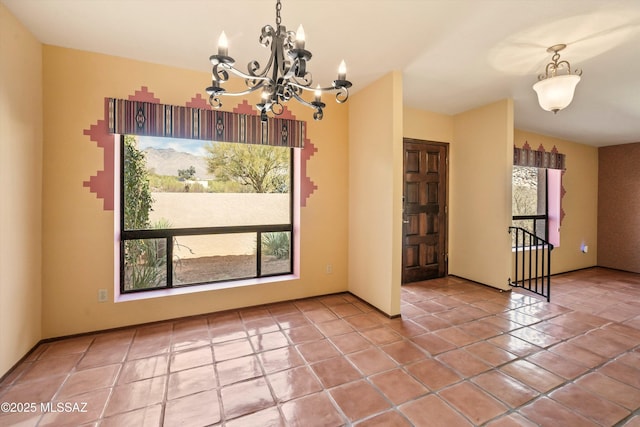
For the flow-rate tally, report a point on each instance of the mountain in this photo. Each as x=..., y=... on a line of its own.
x=167, y=161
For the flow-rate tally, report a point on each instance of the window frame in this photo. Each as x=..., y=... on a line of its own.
x=552, y=205
x=169, y=235
x=537, y=217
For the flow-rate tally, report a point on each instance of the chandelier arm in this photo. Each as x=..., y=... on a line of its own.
x=342, y=92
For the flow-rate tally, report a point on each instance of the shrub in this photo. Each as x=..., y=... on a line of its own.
x=276, y=244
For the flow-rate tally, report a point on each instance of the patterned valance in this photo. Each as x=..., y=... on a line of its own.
x=171, y=121
x=538, y=158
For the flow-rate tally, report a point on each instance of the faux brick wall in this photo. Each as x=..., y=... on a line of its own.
x=619, y=207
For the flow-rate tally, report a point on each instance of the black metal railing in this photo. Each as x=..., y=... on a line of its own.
x=536, y=224
x=532, y=258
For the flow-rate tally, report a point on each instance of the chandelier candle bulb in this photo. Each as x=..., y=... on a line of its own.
x=342, y=71
x=223, y=45
x=318, y=94
x=300, y=38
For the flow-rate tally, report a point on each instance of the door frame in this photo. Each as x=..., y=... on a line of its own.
x=445, y=145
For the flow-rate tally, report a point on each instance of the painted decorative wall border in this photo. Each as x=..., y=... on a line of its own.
x=102, y=183
x=542, y=158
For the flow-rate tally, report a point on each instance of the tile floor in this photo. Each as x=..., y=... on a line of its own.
x=461, y=354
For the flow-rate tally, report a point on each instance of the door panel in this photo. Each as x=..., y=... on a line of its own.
x=424, y=228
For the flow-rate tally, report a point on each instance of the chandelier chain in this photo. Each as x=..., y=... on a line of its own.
x=278, y=9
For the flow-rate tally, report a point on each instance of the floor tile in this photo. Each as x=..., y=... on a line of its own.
x=505, y=388
x=88, y=380
x=294, y=383
x=245, y=397
x=232, y=349
x=474, y=403
x=334, y=327
x=463, y=362
x=404, y=352
x=369, y=401
x=191, y=381
x=535, y=337
x=136, y=395
x=149, y=416
x=236, y=370
x=261, y=326
x=197, y=410
x=269, y=417
x=190, y=359
x=490, y=354
x=141, y=369
x=432, y=343
x=315, y=410
x=578, y=354
x=318, y=350
x=514, y=345
x=386, y=419
x=557, y=364
x=406, y=328
x=268, y=341
x=511, y=420
x=345, y=310
x=430, y=411
x=350, y=343
x=433, y=374
x=546, y=412
x=280, y=359
x=303, y=334
x=611, y=389
x=336, y=371
x=50, y=367
x=532, y=375
x=381, y=335
x=456, y=335
x=589, y=405
x=371, y=361
x=398, y=386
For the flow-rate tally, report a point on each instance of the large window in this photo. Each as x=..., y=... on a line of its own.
x=197, y=212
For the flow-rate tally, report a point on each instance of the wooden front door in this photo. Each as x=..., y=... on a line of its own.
x=424, y=247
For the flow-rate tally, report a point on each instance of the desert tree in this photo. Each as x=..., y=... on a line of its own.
x=261, y=168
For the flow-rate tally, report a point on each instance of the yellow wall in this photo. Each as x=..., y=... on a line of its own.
x=20, y=191
x=580, y=203
x=78, y=233
x=375, y=193
x=426, y=125
x=480, y=166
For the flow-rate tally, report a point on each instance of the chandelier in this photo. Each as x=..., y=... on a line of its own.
x=284, y=77
x=555, y=88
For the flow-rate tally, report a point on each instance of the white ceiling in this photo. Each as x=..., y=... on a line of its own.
x=455, y=55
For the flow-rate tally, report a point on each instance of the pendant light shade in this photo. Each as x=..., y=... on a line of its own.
x=556, y=93
x=555, y=88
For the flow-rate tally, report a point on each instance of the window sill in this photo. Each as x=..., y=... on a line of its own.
x=159, y=293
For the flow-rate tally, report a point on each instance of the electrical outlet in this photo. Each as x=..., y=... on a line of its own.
x=328, y=269
x=103, y=295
